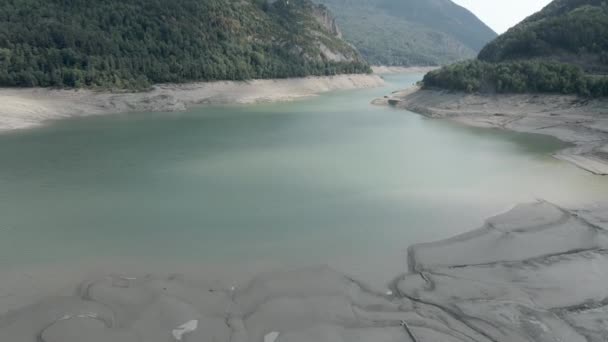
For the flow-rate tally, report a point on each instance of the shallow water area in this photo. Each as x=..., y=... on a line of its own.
x=325, y=180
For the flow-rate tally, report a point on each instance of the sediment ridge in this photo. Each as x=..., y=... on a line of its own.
x=534, y=274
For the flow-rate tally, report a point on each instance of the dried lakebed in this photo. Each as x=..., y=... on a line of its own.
x=534, y=274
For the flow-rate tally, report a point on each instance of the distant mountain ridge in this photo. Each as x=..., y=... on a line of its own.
x=410, y=32
x=561, y=49
x=443, y=16
x=135, y=43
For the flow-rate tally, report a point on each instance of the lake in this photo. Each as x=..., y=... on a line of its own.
x=325, y=180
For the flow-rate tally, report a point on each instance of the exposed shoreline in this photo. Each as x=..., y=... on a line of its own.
x=384, y=69
x=581, y=122
x=29, y=107
x=533, y=274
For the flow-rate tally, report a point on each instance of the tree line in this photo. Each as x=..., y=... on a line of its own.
x=561, y=49
x=136, y=43
x=534, y=76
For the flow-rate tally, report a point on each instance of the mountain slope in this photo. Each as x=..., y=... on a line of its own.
x=133, y=43
x=561, y=49
x=410, y=32
x=572, y=31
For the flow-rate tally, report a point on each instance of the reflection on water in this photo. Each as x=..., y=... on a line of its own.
x=330, y=179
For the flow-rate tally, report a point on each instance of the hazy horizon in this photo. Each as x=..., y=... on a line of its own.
x=502, y=15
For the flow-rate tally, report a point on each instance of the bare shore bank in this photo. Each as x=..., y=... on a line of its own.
x=534, y=274
x=22, y=108
x=384, y=69
x=582, y=122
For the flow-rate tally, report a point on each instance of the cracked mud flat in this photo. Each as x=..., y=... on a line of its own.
x=537, y=273
x=582, y=122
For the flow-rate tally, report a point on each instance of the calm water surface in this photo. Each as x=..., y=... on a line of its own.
x=330, y=179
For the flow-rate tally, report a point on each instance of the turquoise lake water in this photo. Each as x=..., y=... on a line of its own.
x=312, y=181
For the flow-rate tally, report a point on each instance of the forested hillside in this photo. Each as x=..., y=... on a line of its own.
x=561, y=49
x=572, y=31
x=410, y=32
x=135, y=43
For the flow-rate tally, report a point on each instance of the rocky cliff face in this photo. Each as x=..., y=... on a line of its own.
x=326, y=37
x=327, y=20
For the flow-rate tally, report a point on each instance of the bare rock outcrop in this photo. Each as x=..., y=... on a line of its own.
x=327, y=20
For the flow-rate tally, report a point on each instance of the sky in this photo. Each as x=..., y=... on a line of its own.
x=500, y=15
